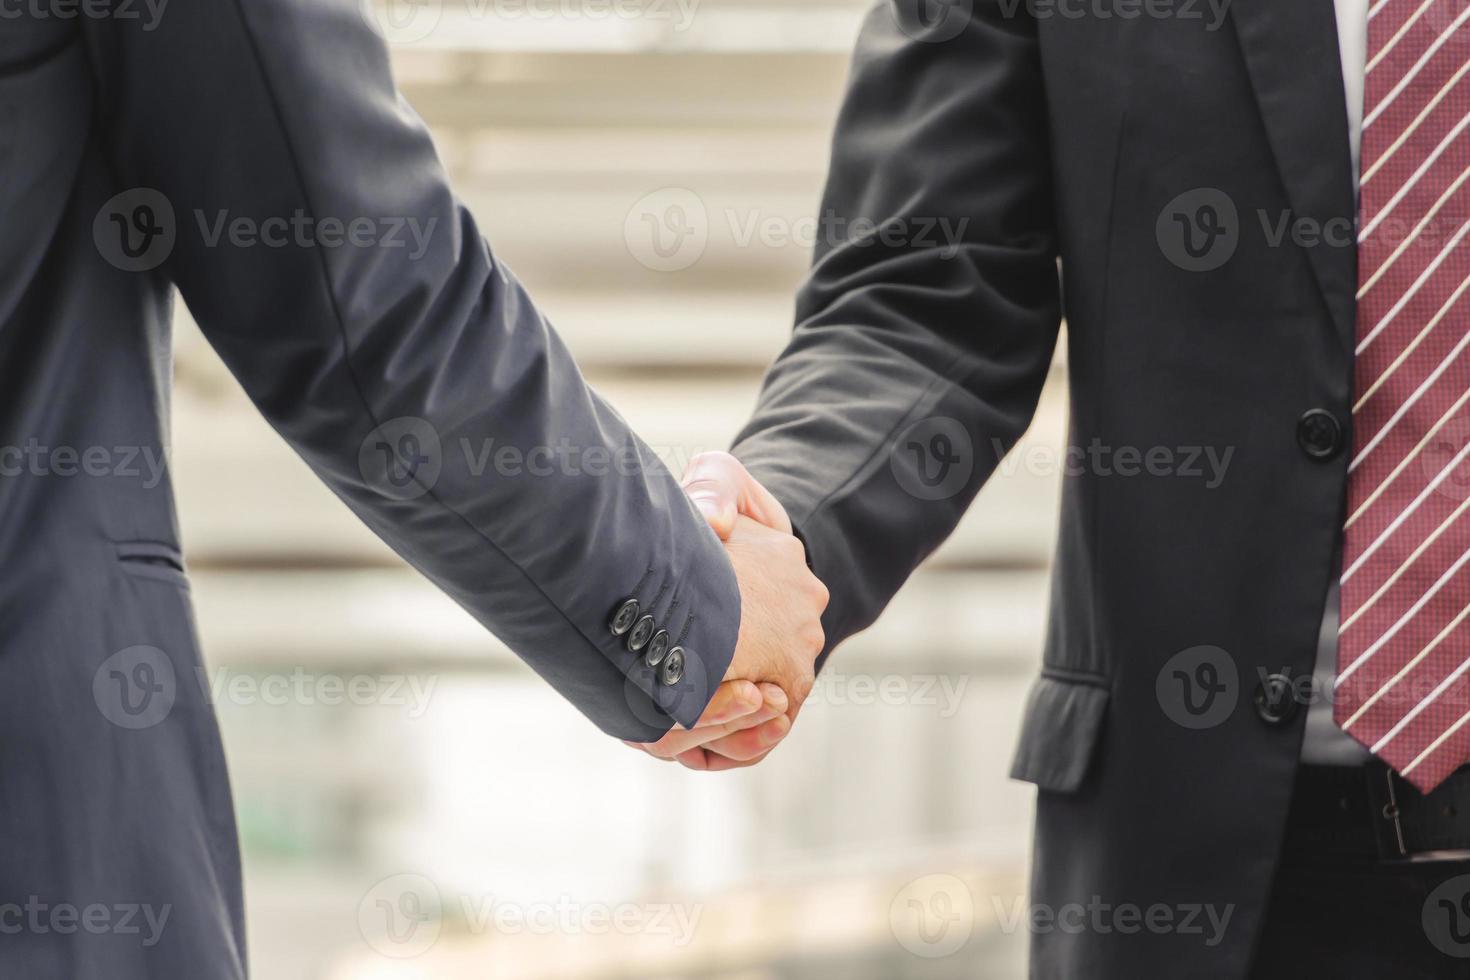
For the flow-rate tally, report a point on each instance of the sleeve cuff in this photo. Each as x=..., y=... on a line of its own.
x=673, y=634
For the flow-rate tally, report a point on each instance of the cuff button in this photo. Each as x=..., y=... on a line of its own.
x=672, y=671
x=624, y=618
x=657, y=648
x=641, y=634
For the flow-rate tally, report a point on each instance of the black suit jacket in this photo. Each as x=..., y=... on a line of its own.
x=123, y=142
x=1097, y=142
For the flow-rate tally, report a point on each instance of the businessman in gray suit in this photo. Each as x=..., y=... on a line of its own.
x=366, y=356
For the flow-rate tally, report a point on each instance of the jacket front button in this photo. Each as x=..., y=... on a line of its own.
x=673, y=667
x=624, y=618
x=1276, y=700
x=657, y=647
x=1319, y=434
x=641, y=634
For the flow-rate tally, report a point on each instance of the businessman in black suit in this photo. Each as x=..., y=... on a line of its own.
x=1252, y=720
x=255, y=155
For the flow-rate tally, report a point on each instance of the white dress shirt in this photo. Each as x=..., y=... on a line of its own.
x=1325, y=743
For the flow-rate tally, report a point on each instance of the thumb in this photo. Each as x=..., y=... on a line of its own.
x=715, y=491
x=722, y=489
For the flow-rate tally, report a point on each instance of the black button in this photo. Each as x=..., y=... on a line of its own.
x=657, y=647
x=642, y=633
x=624, y=618
x=1319, y=434
x=673, y=667
x=1276, y=700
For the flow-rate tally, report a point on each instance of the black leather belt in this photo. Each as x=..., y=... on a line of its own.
x=1371, y=813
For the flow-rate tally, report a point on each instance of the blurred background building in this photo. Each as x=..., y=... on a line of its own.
x=413, y=802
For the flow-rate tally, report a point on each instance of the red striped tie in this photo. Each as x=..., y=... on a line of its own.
x=1404, y=656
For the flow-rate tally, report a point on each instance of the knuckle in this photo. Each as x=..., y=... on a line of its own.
x=709, y=456
x=715, y=462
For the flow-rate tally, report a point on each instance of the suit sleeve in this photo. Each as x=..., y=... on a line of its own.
x=322, y=251
x=926, y=326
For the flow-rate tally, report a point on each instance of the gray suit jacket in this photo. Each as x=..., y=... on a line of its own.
x=135, y=157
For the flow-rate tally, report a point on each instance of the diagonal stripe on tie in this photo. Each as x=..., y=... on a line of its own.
x=1403, y=686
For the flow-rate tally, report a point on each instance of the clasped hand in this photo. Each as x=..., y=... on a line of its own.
x=774, y=667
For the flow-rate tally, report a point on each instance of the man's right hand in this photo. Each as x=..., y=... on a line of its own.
x=779, y=640
x=780, y=623
x=781, y=611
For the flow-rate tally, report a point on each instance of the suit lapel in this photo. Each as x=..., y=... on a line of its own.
x=1291, y=51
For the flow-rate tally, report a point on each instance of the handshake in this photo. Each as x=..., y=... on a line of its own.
x=774, y=667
